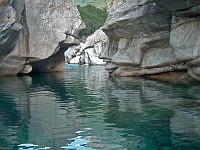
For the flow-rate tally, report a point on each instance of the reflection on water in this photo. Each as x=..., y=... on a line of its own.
x=83, y=109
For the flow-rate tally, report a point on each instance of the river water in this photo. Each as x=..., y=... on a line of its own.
x=84, y=109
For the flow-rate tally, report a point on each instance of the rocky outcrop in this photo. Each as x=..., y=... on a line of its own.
x=34, y=34
x=93, y=46
x=150, y=37
x=73, y=54
x=88, y=52
x=185, y=33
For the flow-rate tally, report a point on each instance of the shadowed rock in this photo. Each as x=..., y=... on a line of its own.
x=176, y=5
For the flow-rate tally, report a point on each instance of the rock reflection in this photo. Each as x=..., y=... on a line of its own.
x=37, y=110
x=53, y=114
x=154, y=114
x=14, y=111
x=49, y=110
x=94, y=79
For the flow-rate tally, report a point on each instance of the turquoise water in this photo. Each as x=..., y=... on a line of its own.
x=83, y=109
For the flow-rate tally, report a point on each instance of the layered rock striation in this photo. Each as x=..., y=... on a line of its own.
x=34, y=34
x=149, y=37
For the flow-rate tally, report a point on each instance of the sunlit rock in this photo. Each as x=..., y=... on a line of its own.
x=96, y=43
x=71, y=53
x=89, y=52
x=75, y=60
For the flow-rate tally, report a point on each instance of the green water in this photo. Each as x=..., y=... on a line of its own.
x=83, y=109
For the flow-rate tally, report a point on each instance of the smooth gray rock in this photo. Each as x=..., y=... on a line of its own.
x=52, y=21
x=71, y=52
x=185, y=38
x=9, y=30
x=36, y=33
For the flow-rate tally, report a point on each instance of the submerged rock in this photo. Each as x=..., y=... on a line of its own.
x=35, y=33
x=148, y=37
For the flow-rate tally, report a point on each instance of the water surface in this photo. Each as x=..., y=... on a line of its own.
x=85, y=109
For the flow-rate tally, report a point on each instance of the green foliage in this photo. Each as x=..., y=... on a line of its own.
x=93, y=18
x=97, y=3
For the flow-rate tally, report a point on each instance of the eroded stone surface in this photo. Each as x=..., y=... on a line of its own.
x=150, y=37
x=32, y=32
x=139, y=38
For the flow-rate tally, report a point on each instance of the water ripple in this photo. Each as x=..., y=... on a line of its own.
x=83, y=108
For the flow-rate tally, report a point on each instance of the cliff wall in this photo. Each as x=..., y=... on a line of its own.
x=149, y=37
x=34, y=34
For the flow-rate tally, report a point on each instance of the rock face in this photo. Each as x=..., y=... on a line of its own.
x=34, y=34
x=88, y=52
x=177, y=5
x=95, y=43
x=150, y=37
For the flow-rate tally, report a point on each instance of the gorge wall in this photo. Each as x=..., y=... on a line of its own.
x=149, y=37
x=34, y=34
